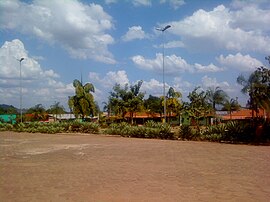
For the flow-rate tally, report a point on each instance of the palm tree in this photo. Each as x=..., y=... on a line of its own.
x=249, y=85
x=257, y=85
x=216, y=96
x=56, y=109
x=82, y=103
x=173, y=103
x=231, y=105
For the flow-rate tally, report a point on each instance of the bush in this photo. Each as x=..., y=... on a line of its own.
x=186, y=133
x=151, y=129
x=214, y=133
x=239, y=132
x=54, y=127
x=5, y=126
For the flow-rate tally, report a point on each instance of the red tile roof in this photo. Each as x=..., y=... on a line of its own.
x=243, y=114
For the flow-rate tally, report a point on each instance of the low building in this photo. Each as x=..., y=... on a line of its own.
x=8, y=118
x=61, y=117
x=243, y=114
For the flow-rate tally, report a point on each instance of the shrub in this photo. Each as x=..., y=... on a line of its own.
x=5, y=126
x=214, y=133
x=185, y=133
x=149, y=130
x=239, y=132
x=151, y=124
x=89, y=127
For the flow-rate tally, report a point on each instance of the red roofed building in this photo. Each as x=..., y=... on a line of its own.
x=244, y=114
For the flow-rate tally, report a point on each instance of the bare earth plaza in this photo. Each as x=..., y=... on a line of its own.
x=80, y=167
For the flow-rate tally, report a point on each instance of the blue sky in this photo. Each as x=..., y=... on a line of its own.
x=209, y=44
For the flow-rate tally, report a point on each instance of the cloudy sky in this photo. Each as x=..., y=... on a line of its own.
x=209, y=44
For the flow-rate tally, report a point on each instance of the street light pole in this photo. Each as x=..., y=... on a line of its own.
x=21, y=86
x=163, y=68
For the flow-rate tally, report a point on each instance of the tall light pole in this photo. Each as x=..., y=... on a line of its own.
x=20, y=60
x=163, y=69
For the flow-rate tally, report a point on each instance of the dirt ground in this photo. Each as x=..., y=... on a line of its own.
x=79, y=167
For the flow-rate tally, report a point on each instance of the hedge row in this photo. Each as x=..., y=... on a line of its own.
x=150, y=129
x=234, y=132
x=230, y=132
x=54, y=127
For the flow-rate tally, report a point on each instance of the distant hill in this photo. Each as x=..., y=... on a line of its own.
x=4, y=106
x=8, y=109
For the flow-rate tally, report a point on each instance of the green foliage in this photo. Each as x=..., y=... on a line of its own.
x=36, y=109
x=186, y=133
x=216, y=96
x=149, y=130
x=125, y=100
x=214, y=133
x=231, y=105
x=238, y=132
x=82, y=103
x=54, y=127
x=257, y=86
x=5, y=126
x=83, y=127
x=233, y=132
x=56, y=109
x=153, y=105
x=173, y=103
x=7, y=109
x=198, y=106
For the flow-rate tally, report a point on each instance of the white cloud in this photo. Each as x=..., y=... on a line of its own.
x=182, y=86
x=175, y=4
x=38, y=85
x=103, y=85
x=174, y=44
x=231, y=89
x=153, y=87
x=250, y=18
x=224, y=29
x=207, y=68
x=110, y=79
x=212, y=82
x=134, y=32
x=141, y=2
x=244, y=3
x=50, y=73
x=173, y=64
x=79, y=28
x=110, y=1
x=239, y=62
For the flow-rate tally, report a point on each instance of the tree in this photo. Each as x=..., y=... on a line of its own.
x=231, y=105
x=216, y=96
x=116, y=100
x=262, y=88
x=82, y=103
x=248, y=88
x=198, y=106
x=36, y=109
x=36, y=113
x=257, y=86
x=56, y=109
x=126, y=100
x=173, y=103
x=153, y=105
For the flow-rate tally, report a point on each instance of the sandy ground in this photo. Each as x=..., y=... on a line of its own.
x=41, y=167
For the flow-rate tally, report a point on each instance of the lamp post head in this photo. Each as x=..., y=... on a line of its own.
x=164, y=28
x=21, y=59
x=167, y=27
